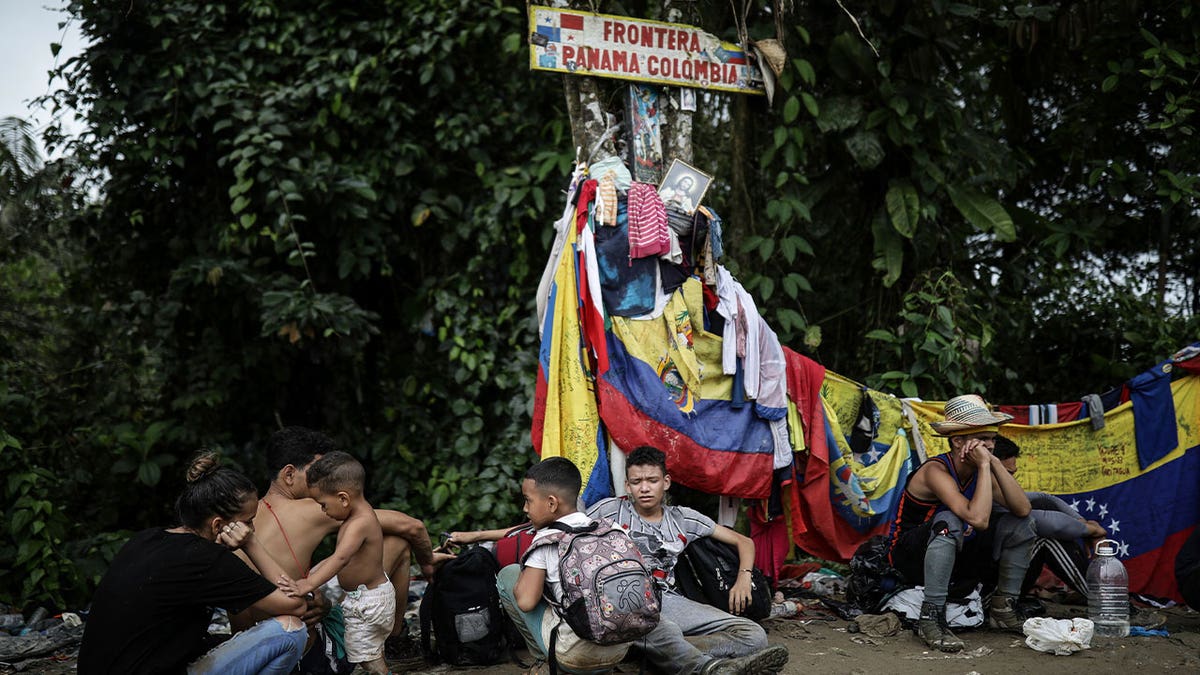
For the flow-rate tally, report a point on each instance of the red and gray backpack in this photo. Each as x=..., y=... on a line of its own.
x=608, y=594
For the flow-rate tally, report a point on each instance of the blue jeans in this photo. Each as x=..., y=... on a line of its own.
x=266, y=649
x=711, y=630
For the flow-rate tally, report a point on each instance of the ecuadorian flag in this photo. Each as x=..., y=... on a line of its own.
x=840, y=500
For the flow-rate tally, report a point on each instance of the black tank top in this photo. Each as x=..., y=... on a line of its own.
x=914, y=512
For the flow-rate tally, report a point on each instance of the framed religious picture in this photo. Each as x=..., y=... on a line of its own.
x=683, y=187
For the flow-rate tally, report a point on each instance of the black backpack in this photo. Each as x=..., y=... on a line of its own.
x=872, y=578
x=461, y=612
x=708, y=568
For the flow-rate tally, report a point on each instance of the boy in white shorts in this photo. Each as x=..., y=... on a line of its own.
x=369, y=608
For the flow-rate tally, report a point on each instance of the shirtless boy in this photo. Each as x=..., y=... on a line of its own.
x=291, y=526
x=336, y=483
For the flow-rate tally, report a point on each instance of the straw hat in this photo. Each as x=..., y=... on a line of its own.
x=967, y=412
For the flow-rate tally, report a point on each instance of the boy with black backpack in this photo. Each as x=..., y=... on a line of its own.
x=551, y=490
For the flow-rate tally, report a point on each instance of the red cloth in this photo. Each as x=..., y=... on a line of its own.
x=816, y=527
x=798, y=571
x=1191, y=365
x=771, y=544
x=591, y=318
x=1067, y=412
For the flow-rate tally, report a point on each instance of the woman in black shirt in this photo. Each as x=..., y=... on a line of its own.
x=151, y=611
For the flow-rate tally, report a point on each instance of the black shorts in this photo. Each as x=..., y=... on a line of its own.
x=972, y=565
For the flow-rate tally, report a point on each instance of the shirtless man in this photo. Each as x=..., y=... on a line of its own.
x=291, y=526
x=945, y=525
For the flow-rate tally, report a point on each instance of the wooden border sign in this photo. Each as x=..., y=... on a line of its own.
x=583, y=43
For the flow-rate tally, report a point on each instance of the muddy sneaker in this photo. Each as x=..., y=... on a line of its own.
x=935, y=632
x=1002, y=613
x=765, y=662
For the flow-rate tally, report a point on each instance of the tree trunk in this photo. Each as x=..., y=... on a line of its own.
x=1164, y=252
x=743, y=206
x=677, y=137
x=588, y=119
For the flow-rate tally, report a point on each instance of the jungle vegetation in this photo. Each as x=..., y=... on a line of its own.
x=335, y=214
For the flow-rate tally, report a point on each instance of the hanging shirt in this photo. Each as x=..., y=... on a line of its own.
x=627, y=285
x=648, y=234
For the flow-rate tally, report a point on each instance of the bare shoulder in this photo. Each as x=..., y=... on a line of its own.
x=298, y=517
x=361, y=524
x=921, y=485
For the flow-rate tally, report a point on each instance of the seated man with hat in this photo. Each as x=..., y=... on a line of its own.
x=945, y=528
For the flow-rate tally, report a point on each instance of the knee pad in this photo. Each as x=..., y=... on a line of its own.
x=945, y=527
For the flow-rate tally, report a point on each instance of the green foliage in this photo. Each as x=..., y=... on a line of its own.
x=335, y=214
x=318, y=214
x=942, y=338
x=33, y=564
x=951, y=145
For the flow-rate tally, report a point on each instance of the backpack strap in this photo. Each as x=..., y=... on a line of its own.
x=584, y=529
x=425, y=612
x=552, y=651
x=560, y=533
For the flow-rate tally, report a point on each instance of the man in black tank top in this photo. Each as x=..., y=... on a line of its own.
x=944, y=528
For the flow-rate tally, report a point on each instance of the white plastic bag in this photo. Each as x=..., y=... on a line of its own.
x=1059, y=636
x=959, y=614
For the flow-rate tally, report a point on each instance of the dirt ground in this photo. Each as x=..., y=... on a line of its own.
x=819, y=642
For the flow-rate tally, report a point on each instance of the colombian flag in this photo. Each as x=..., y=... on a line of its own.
x=653, y=382
x=664, y=388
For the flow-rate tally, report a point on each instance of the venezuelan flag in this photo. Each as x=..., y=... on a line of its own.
x=1149, y=512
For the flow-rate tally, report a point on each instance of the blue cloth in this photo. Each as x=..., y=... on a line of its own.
x=626, y=285
x=1138, y=631
x=1111, y=398
x=714, y=236
x=1153, y=414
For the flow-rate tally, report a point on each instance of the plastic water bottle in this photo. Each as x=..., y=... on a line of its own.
x=38, y=614
x=785, y=609
x=1108, y=592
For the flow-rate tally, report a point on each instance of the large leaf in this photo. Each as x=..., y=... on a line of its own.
x=903, y=207
x=840, y=113
x=865, y=148
x=985, y=213
x=889, y=251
